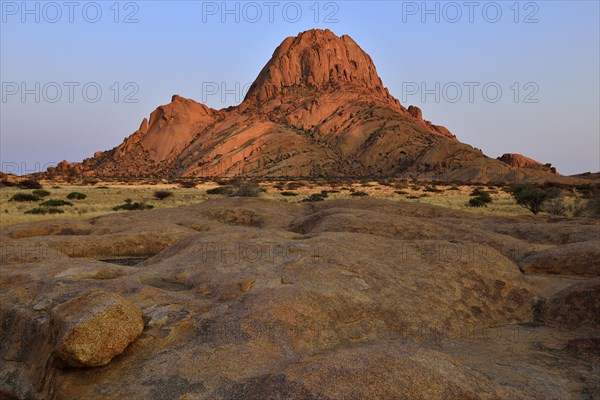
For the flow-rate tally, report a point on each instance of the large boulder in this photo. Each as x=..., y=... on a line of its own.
x=93, y=328
x=575, y=307
x=582, y=258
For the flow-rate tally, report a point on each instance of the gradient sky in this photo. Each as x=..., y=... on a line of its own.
x=549, y=50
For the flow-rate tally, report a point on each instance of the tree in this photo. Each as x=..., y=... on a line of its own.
x=529, y=196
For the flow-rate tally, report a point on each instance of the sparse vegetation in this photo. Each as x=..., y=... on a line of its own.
x=401, y=192
x=45, y=210
x=289, y=194
x=162, y=194
x=358, y=193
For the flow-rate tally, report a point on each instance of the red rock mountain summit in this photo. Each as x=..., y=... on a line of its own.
x=318, y=108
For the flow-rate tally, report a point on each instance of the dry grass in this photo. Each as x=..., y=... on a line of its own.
x=102, y=197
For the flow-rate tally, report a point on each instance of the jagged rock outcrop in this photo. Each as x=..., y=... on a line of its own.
x=520, y=161
x=318, y=108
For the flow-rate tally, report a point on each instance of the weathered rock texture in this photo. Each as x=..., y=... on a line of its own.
x=93, y=328
x=318, y=108
x=345, y=299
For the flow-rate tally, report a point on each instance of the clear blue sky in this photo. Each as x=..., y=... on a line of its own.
x=550, y=49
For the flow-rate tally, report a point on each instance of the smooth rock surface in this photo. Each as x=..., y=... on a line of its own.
x=342, y=299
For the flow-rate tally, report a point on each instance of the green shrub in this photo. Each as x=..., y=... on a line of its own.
x=76, y=196
x=480, y=196
x=131, y=206
x=313, y=197
x=162, y=194
x=288, y=194
x=477, y=202
x=358, y=193
x=29, y=184
x=432, y=189
x=529, y=196
x=55, y=203
x=21, y=197
x=41, y=193
x=222, y=190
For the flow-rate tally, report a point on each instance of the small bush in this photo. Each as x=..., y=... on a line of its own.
x=432, y=189
x=556, y=207
x=358, y=193
x=55, y=203
x=480, y=196
x=76, y=196
x=247, y=189
x=162, y=194
x=7, y=183
x=412, y=197
x=21, y=197
x=288, y=194
x=131, y=206
x=29, y=184
x=41, y=193
x=592, y=208
x=453, y=188
x=187, y=184
x=477, y=202
x=401, y=192
x=295, y=185
x=222, y=190
x=313, y=198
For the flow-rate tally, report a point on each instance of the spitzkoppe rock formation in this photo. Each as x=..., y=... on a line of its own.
x=318, y=108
